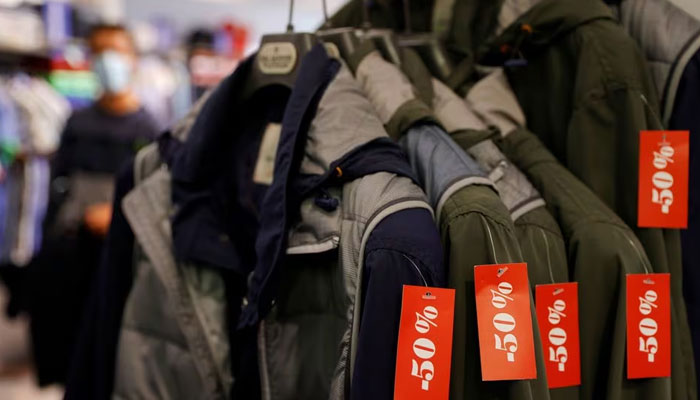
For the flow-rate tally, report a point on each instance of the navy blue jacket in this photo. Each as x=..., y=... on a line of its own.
x=685, y=116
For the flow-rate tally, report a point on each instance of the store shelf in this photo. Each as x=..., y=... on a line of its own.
x=29, y=59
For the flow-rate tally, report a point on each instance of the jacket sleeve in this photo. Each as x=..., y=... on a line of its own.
x=483, y=234
x=404, y=249
x=92, y=369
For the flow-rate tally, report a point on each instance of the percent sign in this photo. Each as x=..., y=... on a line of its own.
x=500, y=298
x=648, y=302
x=663, y=156
x=425, y=320
x=557, y=312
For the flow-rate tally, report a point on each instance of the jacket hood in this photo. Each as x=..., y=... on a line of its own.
x=545, y=22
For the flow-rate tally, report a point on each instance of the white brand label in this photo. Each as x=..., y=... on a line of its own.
x=277, y=58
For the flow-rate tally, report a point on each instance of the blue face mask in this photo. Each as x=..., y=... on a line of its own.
x=113, y=70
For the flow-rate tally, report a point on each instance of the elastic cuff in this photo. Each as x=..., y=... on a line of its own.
x=407, y=115
x=466, y=138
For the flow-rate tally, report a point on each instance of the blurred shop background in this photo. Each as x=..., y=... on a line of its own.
x=52, y=94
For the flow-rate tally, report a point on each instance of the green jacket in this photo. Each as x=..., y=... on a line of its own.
x=602, y=250
x=476, y=229
x=587, y=94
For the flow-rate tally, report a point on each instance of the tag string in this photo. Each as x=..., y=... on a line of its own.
x=549, y=260
x=652, y=112
x=425, y=283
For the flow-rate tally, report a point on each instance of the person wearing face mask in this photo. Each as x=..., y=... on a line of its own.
x=99, y=138
x=96, y=141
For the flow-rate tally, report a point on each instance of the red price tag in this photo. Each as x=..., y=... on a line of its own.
x=503, y=315
x=648, y=325
x=557, y=317
x=663, y=179
x=424, y=354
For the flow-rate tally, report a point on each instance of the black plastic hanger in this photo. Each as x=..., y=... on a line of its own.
x=344, y=40
x=385, y=41
x=428, y=47
x=278, y=59
x=431, y=51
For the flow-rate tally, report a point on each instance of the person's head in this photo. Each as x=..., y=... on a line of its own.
x=113, y=57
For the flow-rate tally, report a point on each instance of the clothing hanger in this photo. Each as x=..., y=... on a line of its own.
x=428, y=47
x=344, y=40
x=384, y=39
x=347, y=40
x=278, y=59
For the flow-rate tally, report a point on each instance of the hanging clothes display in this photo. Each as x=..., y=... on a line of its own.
x=347, y=205
x=604, y=98
x=260, y=247
x=602, y=248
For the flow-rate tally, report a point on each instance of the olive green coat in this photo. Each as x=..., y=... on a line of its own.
x=602, y=250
